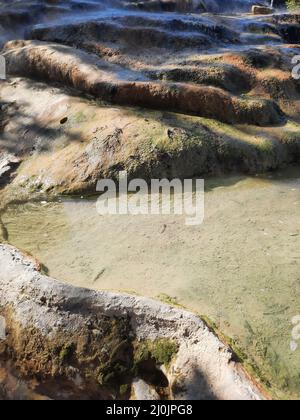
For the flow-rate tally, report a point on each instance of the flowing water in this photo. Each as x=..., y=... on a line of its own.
x=241, y=267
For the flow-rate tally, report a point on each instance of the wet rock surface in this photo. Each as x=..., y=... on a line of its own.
x=157, y=88
x=228, y=72
x=70, y=143
x=95, y=345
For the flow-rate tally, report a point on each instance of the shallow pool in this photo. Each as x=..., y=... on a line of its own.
x=241, y=267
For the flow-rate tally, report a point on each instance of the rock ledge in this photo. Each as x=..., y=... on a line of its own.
x=99, y=343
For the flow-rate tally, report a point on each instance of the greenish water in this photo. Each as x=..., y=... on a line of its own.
x=241, y=267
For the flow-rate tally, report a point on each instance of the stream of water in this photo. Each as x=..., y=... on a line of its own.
x=241, y=267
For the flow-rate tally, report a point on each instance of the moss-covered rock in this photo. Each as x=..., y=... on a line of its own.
x=76, y=343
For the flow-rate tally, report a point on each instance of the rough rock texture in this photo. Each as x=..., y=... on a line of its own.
x=95, y=88
x=89, y=341
x=216, y=92
x=142, y=391
x=262, y=10
x=68, y=143
x=8, y=163
x=79, y=70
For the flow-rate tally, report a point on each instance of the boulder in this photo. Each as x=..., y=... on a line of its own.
x=83, y=344
x=262, y=10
